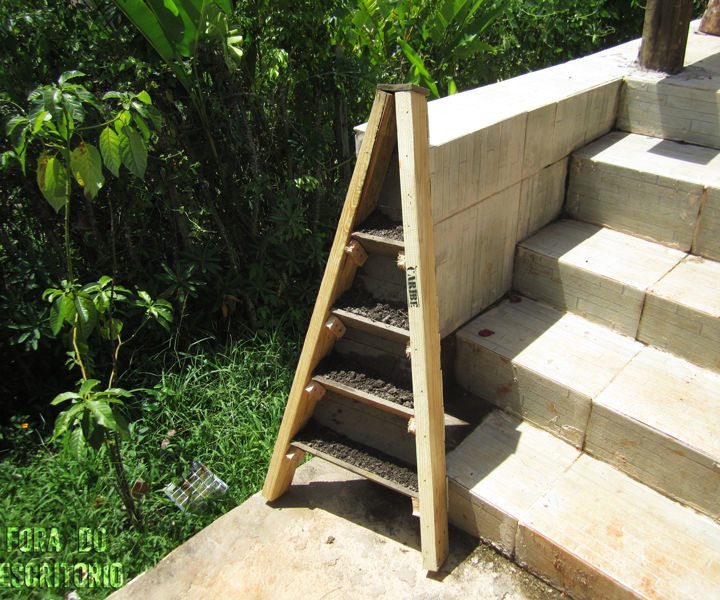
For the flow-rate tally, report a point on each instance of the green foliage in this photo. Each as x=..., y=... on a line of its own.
x=54, y=118
x=433, y=37
x=212, y=406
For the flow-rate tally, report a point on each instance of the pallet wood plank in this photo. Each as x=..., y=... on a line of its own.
x=362, y=196
x=383, y=330
x=414, y=158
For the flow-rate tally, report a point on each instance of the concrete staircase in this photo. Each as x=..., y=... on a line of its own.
x=600, y=470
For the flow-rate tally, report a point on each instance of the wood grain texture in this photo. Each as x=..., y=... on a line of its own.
x=362, y=195
x=414, y=160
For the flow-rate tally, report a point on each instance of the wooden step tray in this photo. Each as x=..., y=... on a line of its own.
x=315, y=430
x=383, y=330
x=378, y=244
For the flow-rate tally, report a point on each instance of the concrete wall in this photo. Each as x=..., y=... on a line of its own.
x=498, y=158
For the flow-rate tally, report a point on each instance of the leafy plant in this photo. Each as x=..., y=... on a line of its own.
x=57, y=121
x=432, y=36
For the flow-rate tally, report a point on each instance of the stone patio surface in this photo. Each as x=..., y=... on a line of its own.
x=332, y=536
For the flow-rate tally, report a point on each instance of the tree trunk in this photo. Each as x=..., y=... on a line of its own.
x=665, y=34
x=711, y=18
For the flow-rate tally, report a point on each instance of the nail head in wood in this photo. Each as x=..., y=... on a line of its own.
x=356, y=253
x=336, y=326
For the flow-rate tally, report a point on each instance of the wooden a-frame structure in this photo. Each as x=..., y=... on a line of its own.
x=398, y=119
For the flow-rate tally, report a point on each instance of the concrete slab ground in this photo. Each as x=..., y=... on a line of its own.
x=332, y=536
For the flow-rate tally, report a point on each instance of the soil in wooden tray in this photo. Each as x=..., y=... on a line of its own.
x=359, y=301
x=359, y=377
x=381, y=226
x=330, y=442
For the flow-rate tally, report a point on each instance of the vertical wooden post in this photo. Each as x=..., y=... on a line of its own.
x=665, y=34
x=414, y=157
x=711, y=18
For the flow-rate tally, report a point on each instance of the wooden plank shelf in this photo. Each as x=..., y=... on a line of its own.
x=379, y=245
x=357, y=458
x=383, y=330
x=365, y=397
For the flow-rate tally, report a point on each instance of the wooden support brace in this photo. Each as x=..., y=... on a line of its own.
x=412, y=426
x=415, y=506
x=336, y=327
x=401, y=260
x=356, y=253
x=314, y=391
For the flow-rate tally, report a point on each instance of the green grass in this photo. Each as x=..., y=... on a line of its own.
x=224, y=410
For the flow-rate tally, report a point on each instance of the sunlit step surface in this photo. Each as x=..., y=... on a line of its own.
x=596, y=272
x=598, y=534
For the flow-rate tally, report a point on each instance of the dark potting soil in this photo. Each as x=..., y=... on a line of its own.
x=359, y=301
x=381, y=226
x=330, y=442
x=343, y=371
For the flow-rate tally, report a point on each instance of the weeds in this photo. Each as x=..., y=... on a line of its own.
x=222, y=408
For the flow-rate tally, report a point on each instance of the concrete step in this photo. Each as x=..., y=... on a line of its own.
x=676, y=107
x=540, y=364
x=658, y=421
x=682, y=312
x=598, y=534
x=656, y=189
x=596, y=272
x=576, y=522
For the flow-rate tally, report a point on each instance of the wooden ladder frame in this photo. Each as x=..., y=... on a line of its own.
x=398, y=116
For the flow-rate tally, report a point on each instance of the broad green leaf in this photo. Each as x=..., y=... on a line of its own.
x=110, y=149
x=123, y=118
x=133, y=152
x=88, y=386
x=76, y=444
x=452, y=87
x=65, y=418
x=142, y=126
x=67, y=75
x=62, y=310
x=65, y=396
x=87, y=314
x=121, y=424
x=103, y=413
x=86, y=166
x=419, y=65
x=74, y=107
x=53, y=181
x=87, y=97
x=40, y=119
x=14, y=123
x=144, y=97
